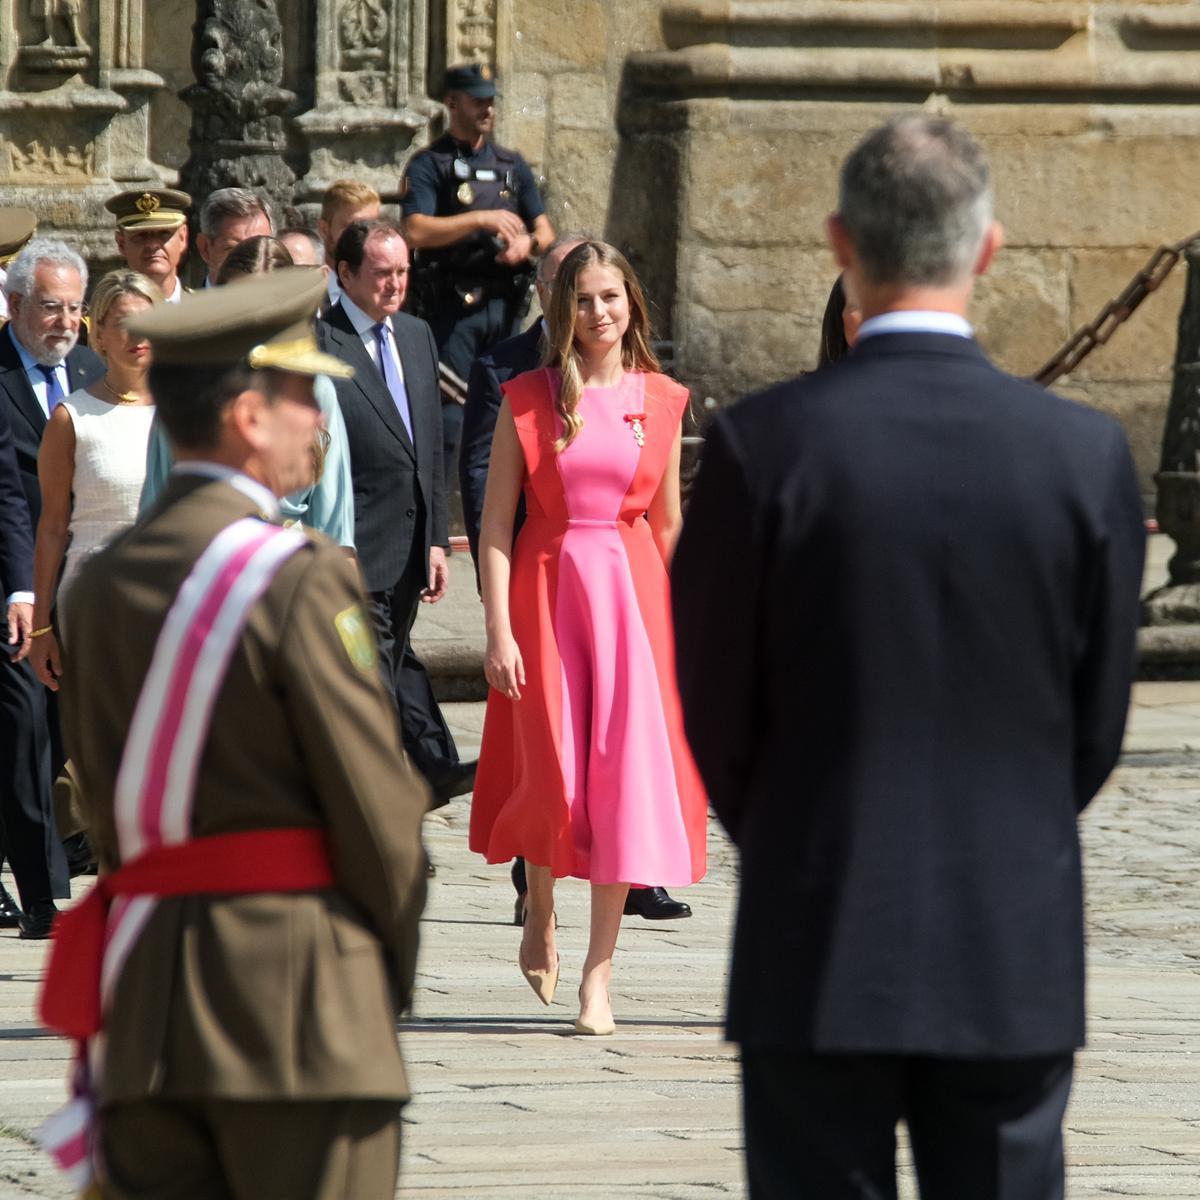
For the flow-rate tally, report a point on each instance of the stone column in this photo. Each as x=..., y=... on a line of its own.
x=370, y=105
x=237, y=102
x=1178, y=480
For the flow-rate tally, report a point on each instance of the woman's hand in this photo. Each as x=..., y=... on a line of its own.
x=44, y=658
x=503, y=666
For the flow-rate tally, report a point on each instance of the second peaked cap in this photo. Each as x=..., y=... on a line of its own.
x=262, y=321
x=150, y=208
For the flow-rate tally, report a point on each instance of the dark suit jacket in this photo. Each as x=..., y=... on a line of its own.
x=512, y=357
x=25, y=413
x=399, y=488
x=905, y=600
x=16, y=531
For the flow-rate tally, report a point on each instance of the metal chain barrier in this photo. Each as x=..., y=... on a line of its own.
x=1115, y=313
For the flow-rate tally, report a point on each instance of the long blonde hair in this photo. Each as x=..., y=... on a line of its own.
x=636, y=354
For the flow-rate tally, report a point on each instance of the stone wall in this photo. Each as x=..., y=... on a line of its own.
x=706, y=137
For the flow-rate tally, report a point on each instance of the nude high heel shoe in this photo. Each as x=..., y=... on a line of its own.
x=542, y=982
x=601, y=1028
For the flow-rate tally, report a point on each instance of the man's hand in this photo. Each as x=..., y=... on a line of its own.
x=502, y=223
x=439, y=576
x=20, y=626
x=516, y=251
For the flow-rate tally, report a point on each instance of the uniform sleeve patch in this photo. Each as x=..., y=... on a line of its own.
x=356, y=635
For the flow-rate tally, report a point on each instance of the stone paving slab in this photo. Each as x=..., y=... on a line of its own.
x=509, y=1103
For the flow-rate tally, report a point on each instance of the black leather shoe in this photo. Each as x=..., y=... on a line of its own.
x=655, y=905
x=10, y=910
x=36, y=923
x=80, y=859
x=456, y=781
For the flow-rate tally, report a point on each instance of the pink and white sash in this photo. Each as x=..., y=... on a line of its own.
x=152, y=802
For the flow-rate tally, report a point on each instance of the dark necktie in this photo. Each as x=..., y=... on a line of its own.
x=391, y=375
x=54, y=390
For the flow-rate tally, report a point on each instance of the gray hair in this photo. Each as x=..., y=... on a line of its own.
x=225, y=204
x=916, y=201
x=572, y=238
x=311, y=235
x=41, y=250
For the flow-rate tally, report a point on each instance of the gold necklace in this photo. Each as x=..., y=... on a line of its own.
x=120, y=397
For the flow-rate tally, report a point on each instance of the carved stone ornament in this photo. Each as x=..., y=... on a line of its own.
x=38, y=161
x=362, y=51
x=237, y=137
x=68, y=12
x=476, y=31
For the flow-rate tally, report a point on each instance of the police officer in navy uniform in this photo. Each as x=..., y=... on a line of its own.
x=474, y=217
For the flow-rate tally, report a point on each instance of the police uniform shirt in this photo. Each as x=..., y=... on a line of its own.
x=449, y=177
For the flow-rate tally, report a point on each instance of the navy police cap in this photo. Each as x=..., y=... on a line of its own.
x=476, y=79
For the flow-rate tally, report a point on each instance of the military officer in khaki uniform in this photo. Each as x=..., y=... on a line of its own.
x=249, y=1042
x=17, y=227
x=152, y=235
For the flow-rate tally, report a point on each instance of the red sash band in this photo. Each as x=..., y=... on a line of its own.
x=267, y=860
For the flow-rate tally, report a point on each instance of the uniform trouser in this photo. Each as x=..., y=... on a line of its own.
x=824, y=1125
x=250, y=1150
x=423, y=729
x=28, y=837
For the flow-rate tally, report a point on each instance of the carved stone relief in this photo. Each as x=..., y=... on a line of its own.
x=37, y=161
x=475, y=31
x=363, y=27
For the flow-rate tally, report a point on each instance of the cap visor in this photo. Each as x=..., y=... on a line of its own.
x=164, y=221
x=314, y=362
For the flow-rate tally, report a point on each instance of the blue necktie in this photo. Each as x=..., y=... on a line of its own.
x=391, y=376
x=54, y=390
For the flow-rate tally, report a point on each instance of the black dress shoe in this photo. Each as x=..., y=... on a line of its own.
x=36, y=923
x=80, y=859
x=455, y=781
x=10, y=910
x=655, y=905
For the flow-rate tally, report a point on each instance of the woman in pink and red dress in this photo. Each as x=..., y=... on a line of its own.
x=584, y=768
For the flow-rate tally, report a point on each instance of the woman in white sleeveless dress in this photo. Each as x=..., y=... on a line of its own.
x=93, y=458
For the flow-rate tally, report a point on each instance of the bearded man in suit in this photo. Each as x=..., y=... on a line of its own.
x=906, y=597
x=41, y=363
x=393, y=418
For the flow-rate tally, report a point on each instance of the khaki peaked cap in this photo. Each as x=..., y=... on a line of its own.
x=150, y=208
x=260, y=321
x=17, y=227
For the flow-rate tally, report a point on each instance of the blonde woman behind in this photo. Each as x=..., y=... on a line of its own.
x=93, y=458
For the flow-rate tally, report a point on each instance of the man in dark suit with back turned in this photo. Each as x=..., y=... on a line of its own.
x=393, y=418
x=40, y=364
x=905, y=599
x=510, y=358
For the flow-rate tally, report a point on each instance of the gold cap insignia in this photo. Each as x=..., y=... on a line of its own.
x=148, y=203
x=485, y=72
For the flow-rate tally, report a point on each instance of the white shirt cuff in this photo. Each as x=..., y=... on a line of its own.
x=20, y=598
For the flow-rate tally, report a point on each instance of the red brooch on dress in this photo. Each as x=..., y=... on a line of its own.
x=634, y=421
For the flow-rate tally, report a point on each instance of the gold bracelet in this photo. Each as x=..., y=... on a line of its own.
x=45, y=629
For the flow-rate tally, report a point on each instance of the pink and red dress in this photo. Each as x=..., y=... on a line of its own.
x=589, y=773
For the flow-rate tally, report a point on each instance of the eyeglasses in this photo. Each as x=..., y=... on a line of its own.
x=56, y=308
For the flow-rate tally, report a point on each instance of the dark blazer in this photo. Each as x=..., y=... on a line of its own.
x=25, y=413
x=399, y=488
x=905, y=600
x=16, y=531
x=514, y=356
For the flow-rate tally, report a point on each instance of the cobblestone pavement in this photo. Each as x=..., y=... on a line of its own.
x=508, y=1103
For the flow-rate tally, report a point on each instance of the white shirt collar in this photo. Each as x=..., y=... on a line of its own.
x=333, y=287
x=916, y=321
x=261, y=495
x=177, y=294
x=363, y=325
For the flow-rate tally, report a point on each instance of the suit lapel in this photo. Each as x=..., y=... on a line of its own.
x=16, y=384
x=367, y=377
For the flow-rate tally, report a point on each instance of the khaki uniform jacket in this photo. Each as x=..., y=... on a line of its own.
x=281, y=996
